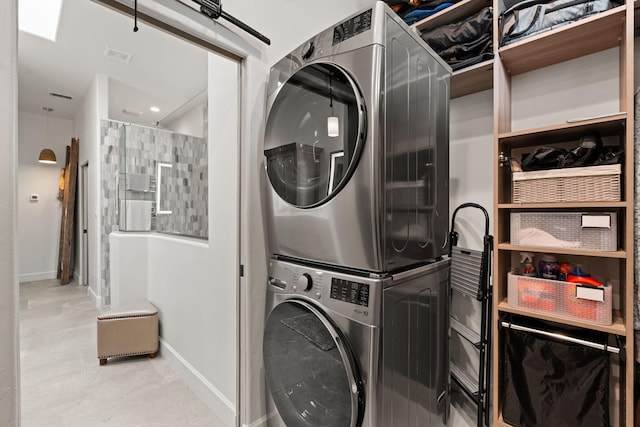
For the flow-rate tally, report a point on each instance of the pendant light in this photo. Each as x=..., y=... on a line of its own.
x=47, y=155
x=333, y=124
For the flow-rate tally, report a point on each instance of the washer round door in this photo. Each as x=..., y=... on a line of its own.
x=314, y=134
x=311, y=372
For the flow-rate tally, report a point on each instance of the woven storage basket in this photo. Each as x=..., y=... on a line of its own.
x=587, y=184
x=558, y=298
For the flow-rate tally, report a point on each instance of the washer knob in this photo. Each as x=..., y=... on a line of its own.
x=307, y=50
x=305, y=282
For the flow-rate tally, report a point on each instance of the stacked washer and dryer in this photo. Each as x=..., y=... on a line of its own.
x=357, y=159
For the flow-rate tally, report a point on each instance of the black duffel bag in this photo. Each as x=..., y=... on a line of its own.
x=465, y=54
x=466, y=42
x=529, y=17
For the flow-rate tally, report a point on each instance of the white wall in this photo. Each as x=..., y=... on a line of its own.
x=583, y=87
x=9, y=336
x=471, y=164
x=39, y=222
x=194, y=283
x=288, y=23
x=224, y=223
x=95, y=106
x=129, y=264
x=189, y=123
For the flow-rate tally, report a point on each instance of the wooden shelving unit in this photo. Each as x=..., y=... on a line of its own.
x=613, y=28
x=472, y=79
x=605, y=126
x=616, y=328
x=579, y=252
x=571, y=205
x=590, y=35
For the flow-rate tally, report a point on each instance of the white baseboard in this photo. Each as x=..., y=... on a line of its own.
x=260, y=422
x=34, y=277
x=211, y=396
x=95, y=298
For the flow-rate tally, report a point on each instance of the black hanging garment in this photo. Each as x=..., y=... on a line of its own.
x=466, y=42
x=554, y=384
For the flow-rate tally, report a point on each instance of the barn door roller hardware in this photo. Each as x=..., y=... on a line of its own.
x=213, y=9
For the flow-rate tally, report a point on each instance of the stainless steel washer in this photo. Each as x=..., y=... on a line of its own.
x=344, y=350
x=357, y=147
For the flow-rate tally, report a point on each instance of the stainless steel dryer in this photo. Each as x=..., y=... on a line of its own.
x=342, y=350
x=357, y=147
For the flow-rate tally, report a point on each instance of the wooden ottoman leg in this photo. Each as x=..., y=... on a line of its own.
x=103, y=362
x=153, y=355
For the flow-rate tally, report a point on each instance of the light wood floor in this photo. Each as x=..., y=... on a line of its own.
x=63, y=385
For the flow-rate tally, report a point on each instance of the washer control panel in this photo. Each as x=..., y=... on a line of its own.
x=352, y=27
x=356, y=297
x=351, y=292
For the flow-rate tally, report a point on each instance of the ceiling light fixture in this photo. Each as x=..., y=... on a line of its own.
x=47, y=155
x=154, y=109
x=40, y=17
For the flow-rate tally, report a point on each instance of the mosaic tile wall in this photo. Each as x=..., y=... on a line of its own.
x=184, y=187
x=136, y=150
x=111, y=135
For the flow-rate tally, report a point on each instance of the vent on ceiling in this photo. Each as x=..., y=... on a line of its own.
x=59, y=95
x=132, y=113
x=120, y=55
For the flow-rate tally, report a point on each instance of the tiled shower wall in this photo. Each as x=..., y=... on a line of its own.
x=184, y=189
x=111, y=134
x=137, y=149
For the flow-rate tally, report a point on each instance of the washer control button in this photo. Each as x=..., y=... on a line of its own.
x=294, y=287
x=307, y=50
x=318, y=295
x=305, y=282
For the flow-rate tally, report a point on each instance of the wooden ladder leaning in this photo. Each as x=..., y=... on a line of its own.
x=68, y=211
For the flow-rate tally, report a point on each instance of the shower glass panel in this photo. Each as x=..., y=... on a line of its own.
x=163, y=182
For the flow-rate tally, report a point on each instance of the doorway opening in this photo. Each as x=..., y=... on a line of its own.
x=92, y=107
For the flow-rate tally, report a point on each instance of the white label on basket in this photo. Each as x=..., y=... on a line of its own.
x=590, y=293
x=597, y=221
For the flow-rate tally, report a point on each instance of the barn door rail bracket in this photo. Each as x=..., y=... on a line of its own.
x=213, y=9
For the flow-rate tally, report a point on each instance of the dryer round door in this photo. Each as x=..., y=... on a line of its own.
x=314, y=134
x=310, y=370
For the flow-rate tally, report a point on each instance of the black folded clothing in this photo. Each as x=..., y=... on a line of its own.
x=455, y=33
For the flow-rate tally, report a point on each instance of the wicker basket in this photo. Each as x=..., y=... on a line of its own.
x=587, y=184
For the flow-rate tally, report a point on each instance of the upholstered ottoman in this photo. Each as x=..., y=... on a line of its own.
x=128, y=331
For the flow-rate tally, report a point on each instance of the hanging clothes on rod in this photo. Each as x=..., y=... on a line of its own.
x=597, y=346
